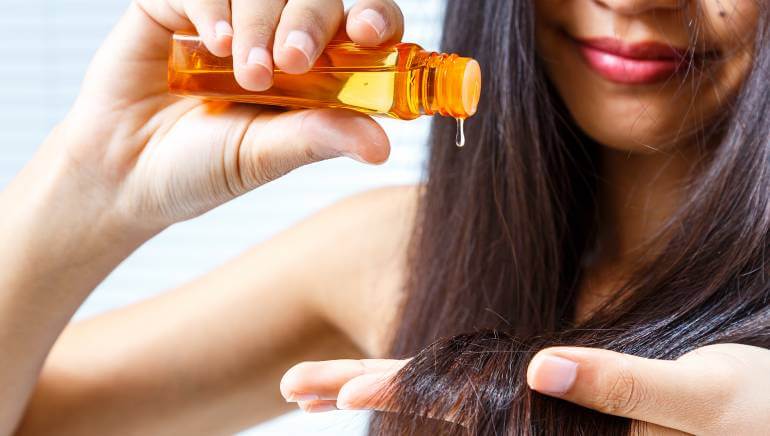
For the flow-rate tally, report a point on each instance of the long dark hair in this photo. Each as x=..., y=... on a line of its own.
x=504, y=225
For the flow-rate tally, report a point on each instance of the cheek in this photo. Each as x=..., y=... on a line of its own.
x=647, y=118
x=732, y=23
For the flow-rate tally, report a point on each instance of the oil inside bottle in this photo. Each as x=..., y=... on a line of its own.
x=402, y=81
x=460, y=136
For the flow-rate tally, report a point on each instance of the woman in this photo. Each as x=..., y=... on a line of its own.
x=616, y=195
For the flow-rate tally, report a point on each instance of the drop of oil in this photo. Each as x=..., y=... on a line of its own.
x=460, y=136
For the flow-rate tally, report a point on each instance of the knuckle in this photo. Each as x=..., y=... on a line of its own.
x=265, y=168
x=211, y=5
x=308, y=149
x=311, y=146
x=260, y=29
x=280, y=155
x=393, y=7
x=623, y=395
x=311, y=155
x=311, y=18
x=316, y=19
x=390, y=9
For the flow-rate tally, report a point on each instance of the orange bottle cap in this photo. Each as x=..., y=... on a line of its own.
x=471, y=87
x=460, y=87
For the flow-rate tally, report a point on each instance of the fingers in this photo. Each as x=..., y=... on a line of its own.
x=673, y=394
x=289, y=35
x=211, y=19
x=255, y=24
x=317, y=386
x=306, y=27
x=365, y=392
x=317, y=406
x=374, y=22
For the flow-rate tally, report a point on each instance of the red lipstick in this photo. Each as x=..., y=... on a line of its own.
x=641, y=63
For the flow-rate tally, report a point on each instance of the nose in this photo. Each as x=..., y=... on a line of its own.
x=634, y=7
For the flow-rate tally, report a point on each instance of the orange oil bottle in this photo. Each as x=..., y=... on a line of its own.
x=400, y=81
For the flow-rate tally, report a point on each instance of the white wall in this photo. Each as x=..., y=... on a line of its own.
x=45, y=46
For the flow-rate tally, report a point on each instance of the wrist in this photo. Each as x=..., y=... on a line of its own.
x=56, y=249
x=55, y=206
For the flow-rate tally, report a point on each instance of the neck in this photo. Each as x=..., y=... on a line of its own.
x=638, y=193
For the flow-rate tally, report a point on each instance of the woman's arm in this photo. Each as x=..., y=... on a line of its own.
x=130, y=160
x=207, y=358
x=52, y=256
x=203, y=359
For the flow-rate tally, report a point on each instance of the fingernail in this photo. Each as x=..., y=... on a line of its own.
x=223, y=29
x=373, y=19
x=324, y=408
x=259, y=58
x=303, y=42
x=354, y=156
x=318, y=408
x=296, y=398
x=552, y=375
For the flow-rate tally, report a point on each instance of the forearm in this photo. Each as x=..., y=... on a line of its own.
x=203, y=359
x=56, y=247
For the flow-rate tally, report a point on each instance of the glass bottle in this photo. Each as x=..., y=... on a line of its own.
x=401, y=81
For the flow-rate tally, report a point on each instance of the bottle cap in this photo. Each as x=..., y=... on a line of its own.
x=462, y=87
x=471, y=86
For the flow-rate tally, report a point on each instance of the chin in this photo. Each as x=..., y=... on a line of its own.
x=637, y=137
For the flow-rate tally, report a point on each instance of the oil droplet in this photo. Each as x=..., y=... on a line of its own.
x=460, y=136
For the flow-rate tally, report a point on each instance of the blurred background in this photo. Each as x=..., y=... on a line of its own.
x=45, y=47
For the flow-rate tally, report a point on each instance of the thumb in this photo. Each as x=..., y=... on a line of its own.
x=274, y=146
x=672, y=394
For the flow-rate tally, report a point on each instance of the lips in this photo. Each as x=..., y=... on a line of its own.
x=642, y=63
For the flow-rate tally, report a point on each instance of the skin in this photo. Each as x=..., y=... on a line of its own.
x=95, y=191
x=660, y=117
x=208, y=357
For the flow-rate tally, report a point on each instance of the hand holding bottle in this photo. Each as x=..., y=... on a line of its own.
x=129, y=159
x=159, y=159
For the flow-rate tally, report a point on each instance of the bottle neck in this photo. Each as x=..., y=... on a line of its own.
x=449, y=85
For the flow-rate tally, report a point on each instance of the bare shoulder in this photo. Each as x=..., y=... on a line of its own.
x=356, y=252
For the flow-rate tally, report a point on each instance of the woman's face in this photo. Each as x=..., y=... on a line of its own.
x=623, y=68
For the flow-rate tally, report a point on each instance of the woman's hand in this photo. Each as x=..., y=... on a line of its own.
x=130, y=160
x=339, y=384
x=719, y=389
x=157, y=159
x=715, y=390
